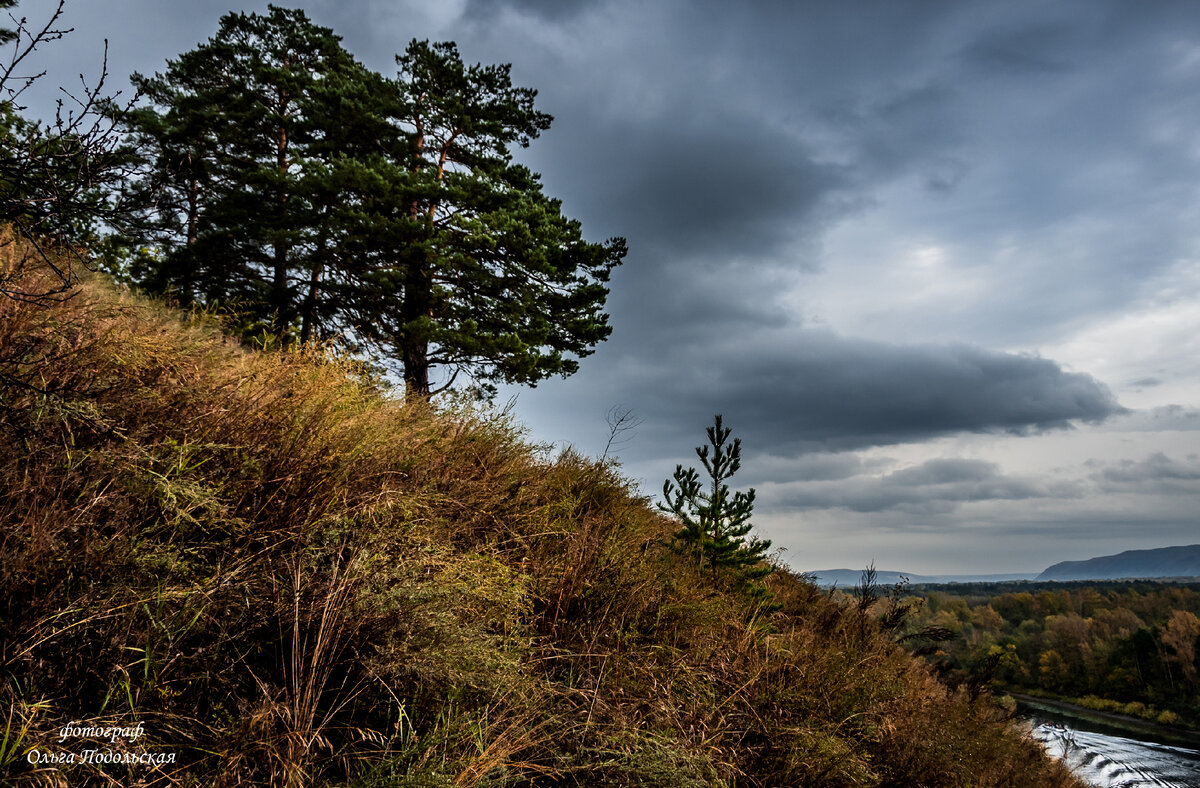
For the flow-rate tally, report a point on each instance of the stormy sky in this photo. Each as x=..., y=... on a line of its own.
x=936, y=263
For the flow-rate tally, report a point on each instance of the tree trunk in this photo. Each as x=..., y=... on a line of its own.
x=310, y=302
x=418, y=299
x=416, y=368
x=414, y=345
x=279, y=300
x=188, y=286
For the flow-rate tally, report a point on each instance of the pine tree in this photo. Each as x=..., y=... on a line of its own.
x=235, y=131
x=493, y=279
x=715, y=524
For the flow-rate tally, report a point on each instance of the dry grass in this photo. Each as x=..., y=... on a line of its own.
x=291, y=579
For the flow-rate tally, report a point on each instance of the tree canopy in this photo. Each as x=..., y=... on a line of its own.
x=235, y=133
x=317, y=199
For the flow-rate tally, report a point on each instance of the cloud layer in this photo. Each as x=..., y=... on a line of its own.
x=936, y=263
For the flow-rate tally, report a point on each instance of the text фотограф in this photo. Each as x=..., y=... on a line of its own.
x=97, y=754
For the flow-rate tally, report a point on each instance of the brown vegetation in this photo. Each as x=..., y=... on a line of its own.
x=289, y=579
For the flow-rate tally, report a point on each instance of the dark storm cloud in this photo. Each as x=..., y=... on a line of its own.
x=720, y=217
x=746, y=132
x=937, y=486
x=710, y=188
x=826, y=391
x=742, y=134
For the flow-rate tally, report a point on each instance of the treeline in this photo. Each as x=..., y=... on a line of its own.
x=269, y=176
x=1130, y=648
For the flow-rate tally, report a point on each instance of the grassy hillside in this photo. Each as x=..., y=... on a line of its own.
x=289, y=578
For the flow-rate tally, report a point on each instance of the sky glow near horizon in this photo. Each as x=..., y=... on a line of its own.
x=937, y=263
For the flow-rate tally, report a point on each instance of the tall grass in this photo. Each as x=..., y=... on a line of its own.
x=290, y=578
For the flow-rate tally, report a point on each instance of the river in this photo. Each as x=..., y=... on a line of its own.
x=1108, y=758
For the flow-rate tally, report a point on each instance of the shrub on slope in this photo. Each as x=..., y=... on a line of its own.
x=289, y=578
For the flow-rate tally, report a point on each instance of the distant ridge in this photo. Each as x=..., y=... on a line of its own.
x=846, y=578
x=1160, y=562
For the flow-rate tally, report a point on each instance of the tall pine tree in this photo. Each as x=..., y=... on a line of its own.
x=495, y=280
x=235, y=129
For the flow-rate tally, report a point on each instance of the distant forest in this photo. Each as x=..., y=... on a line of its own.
x=1123, y=647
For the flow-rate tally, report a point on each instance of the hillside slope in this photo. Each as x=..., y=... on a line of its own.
x=1159, y=562
x=287, y=578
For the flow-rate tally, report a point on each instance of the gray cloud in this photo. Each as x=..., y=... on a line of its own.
x=1028, y=50
x=687, y=186
x=1160, y=419
x=937, y=486
x=1158, y=474
x=552, y=10
x=943, y=471
x=822, y=466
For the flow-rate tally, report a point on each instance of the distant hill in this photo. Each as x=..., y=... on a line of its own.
x=847, y=578
x=1160, y=562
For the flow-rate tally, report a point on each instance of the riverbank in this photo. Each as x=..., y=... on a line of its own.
x=1119, y=723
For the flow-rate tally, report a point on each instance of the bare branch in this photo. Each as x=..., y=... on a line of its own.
x=620, y=420
x=63, y=178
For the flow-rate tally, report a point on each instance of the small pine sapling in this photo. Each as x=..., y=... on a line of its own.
x=715, y=524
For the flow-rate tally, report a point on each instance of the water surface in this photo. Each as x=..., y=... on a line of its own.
x=1108, y=760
